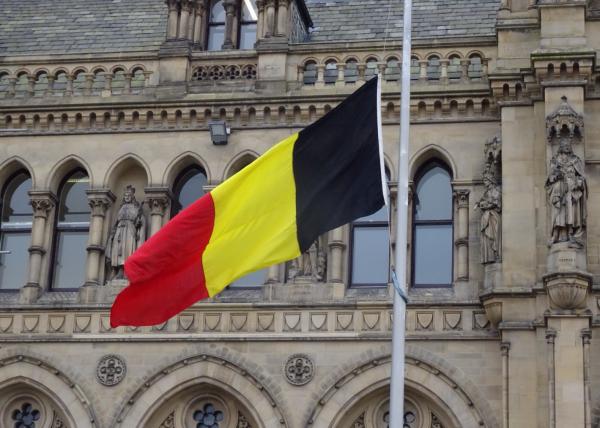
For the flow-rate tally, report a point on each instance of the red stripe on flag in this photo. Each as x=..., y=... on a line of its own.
x=166, y=273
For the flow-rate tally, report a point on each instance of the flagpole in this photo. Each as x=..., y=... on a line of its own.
x=397, y=379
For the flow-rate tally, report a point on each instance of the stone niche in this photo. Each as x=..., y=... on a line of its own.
x=567, y=280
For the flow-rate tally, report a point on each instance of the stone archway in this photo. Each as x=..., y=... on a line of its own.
x=32, y=389
x=177, y=395
x=431, y=389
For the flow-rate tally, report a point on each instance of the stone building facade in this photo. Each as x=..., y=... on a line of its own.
x=105, y=109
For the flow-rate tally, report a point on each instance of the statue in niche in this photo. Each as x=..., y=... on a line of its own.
x=490, y=204
x=566, y=188
x=312, y=264
x=127, y=234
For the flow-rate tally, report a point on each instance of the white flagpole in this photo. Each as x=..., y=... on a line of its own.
x=399, y=275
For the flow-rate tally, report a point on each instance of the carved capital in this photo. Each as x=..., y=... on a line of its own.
x=42, y=203
x=586, y=336
x=100, y=201
x=504, y=348
x=462, y=196
x=550, y=335
x=158, y=199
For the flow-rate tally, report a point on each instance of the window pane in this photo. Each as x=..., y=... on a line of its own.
x=434, y=196
x=74, y=205
x=331, y=73
x=254, y=279
x=189, y=188
x=380, y=215
x=370, y=255
x=433, y=254
x=247, y=36
x=69, y=267
x=16, y=206
x=13, y=266
x=351, y=71
x=217, y=12
x=216, y=37
x=249, y=11
x=310, y=73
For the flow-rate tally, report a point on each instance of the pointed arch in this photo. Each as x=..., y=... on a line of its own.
x=239, y=161
x=427, y=153
x=181, y=162
x=120, y=164
x=42, y=377
x=63, y=167
x=13, y=164
x=229, y=373
x=426, y=373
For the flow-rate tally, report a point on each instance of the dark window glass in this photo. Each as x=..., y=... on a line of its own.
x=310, y=73
x=331, y=73
x=432, y=228
x=249, y=17
x=475, y=69
x=15, y=232
x=433, y=68
x=415, y=69
x=216, y=27
x=188, y=188
x=72, y=229
x=454, y=69
x=393, y=70
x=351, y=71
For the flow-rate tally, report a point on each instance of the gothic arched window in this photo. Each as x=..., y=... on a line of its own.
x=15, y=231
x=432, y=227
x=216, y=26
x=71, y=235
x=189, y=187
x=370, y=249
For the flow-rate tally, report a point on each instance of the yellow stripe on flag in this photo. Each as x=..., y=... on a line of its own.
x=255, y=219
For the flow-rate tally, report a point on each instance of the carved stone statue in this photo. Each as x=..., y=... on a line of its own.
x=127, y=234
x=566, y=188
x=490, y=204
x=311, y=264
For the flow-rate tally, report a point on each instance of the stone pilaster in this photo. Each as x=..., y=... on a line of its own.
x=230, y=13
x=462, y=236
x=199, y=24
x=260, y=24
x=158, y=200
x=283, y=18
x=270, y=18
x=336, y=255
x=173, y=19
x=42, y=203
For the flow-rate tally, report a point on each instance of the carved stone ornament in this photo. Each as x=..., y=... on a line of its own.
x=490, y=204
x=111, y=370
x=127, y=234
x=564, y=118
x=310, y=266
x=299, y=369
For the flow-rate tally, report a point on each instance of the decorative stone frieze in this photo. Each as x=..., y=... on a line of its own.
x=299, y=369
x=111, y=370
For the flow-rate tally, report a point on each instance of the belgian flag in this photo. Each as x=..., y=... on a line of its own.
x=322, y=177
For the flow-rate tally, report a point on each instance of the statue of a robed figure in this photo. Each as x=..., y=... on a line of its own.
x=566, y=188
x=127, y=234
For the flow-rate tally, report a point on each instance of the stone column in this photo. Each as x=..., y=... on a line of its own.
x=320, y=76
x=462, y=236
x=230, y=9
x=444, y=70
x=31, y=85
x=42, y=203
x=270, y=18
x=282, y=18
x=158, y=200
x=108, y=82
x=199, y=24
x=336, y=255
x=301, y=74
x=504, y=349
x=89, y=82
x=50, y=87
x=423, y=69
x=184, y=16
x=127, y=85
x=191, y=21
x=273, y=274
x=550, y=336
x=12, y=87
x=100, y=200
x=173, y=18
x=69, y=88
x=586, y=337
x=464, y=68
x=341, y=67
x=260, y=24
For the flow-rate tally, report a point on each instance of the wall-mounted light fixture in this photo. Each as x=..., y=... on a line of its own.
x=219, y=132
